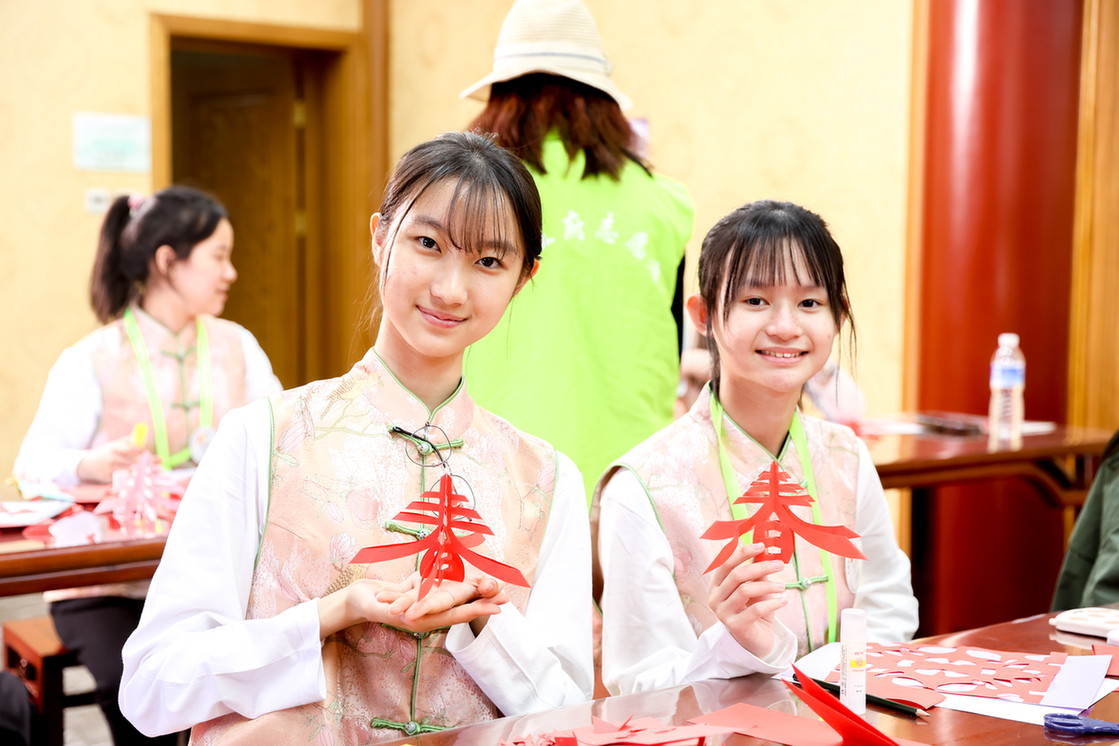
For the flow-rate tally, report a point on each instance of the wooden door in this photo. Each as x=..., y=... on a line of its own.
x=235, y=132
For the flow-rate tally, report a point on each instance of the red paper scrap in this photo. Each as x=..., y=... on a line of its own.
x=777, y=726
x=775, y=493
x=444, y=551
x=1113, y=651
x=639, y=732
x=977, y=672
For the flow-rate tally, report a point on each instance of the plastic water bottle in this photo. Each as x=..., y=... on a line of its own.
x=1008, y=382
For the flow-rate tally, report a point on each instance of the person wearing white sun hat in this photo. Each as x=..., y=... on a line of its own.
x=588, y=355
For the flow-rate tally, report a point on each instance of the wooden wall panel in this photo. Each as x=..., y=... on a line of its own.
x=1094, y=348
x=1001, y=129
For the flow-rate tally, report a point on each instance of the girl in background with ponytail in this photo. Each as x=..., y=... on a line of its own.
x=162, y=358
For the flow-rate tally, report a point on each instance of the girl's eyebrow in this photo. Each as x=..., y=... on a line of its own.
x=499, y=245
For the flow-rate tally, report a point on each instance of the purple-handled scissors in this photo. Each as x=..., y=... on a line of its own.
x=1078, y=725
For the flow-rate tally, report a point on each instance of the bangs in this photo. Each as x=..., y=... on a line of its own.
x=480, y=220
x=762, y=258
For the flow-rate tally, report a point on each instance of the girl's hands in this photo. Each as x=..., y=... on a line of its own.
x=99, y=463
x=745, y=601
x=476, y=598
x=396, y=604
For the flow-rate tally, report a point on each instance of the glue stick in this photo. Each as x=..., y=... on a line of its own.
x=140, y=434
x=852, y=660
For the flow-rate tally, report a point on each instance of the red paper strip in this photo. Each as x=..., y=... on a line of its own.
x=774, y=524
x=1113, y=651
x=444, y=551
x=852, y=728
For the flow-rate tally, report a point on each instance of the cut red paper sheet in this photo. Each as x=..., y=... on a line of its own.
x=977, y=672
x=851, y=728
x=638, y=732
x=775, y=525
x=914, y=696
x=444, y=551
x=1113, y=651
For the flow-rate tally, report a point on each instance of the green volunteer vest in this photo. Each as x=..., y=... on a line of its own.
x=586, y=356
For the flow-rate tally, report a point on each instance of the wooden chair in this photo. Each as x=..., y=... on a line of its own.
x=33, y=652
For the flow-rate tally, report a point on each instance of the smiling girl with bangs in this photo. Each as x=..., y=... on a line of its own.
x=772, y=300
x=260, y=630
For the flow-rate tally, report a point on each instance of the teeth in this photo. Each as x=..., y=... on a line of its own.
x=782, y=354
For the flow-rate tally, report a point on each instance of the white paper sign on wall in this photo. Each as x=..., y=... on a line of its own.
x=112, y=142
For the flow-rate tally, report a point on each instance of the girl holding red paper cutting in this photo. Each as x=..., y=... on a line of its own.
x=745, y=462
x=288, y=607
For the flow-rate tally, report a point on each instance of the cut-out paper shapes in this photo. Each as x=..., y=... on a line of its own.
x=444, y=549
x=141, y=496
x=775, y=525
x=976, y=672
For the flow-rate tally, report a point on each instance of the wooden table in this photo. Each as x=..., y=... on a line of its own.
x=1060, y=464
x=38, y=570
x=676, y=705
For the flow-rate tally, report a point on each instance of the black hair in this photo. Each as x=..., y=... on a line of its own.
x=486, y=177
x=751, y=246
x=179, y=217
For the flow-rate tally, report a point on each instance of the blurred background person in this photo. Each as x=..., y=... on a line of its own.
x=587, y=357
x=160, y=278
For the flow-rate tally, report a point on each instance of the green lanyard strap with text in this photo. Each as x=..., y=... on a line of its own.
x=739, y=512
x=159, y=425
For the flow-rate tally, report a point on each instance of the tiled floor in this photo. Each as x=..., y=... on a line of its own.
x=84, y=726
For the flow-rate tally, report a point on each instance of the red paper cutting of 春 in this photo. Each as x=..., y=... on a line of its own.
x=774, y=523
x=444, y=550
x=137, y=496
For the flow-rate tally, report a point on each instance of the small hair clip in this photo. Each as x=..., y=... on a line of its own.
x=135, y=201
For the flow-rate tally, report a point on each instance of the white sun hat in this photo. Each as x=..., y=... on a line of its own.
x=550, y=36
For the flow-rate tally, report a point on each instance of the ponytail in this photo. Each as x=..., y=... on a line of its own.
x=178, y=217
x=108, y=287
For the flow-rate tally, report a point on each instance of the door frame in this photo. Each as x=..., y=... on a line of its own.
x=354, y=157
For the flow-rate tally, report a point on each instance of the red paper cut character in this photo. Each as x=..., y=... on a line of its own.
x=444, y=551
x=775, y=493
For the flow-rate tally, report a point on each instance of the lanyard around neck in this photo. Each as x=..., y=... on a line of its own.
x=155, y=404
x=739, y=512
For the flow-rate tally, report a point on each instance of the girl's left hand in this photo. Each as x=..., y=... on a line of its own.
x=471, y=600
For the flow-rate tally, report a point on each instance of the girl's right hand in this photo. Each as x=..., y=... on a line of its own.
x=745, y=601
x=99, y=463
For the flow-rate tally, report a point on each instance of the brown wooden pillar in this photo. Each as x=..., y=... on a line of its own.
x=997, y=226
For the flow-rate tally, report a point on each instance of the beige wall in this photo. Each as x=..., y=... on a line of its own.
x=804, y=101
x=57, y=57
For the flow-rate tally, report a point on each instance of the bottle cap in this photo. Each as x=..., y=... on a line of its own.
x=1008, y=339
x=852, y=624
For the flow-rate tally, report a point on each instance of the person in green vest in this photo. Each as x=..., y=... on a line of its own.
x=587, y=356
x=1090, y=573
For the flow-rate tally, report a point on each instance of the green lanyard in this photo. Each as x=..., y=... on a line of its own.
x=202, y=346
x=739, y=512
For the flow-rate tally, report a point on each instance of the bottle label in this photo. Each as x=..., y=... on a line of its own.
x=1008, y=375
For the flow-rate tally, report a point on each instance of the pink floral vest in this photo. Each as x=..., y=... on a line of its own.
x=679, y=467
x=338, y=476
x=175, y=367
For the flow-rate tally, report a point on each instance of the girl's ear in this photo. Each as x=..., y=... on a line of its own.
x=697, y=311
x=378, y=247
x=532, y=273
x=163, y=258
